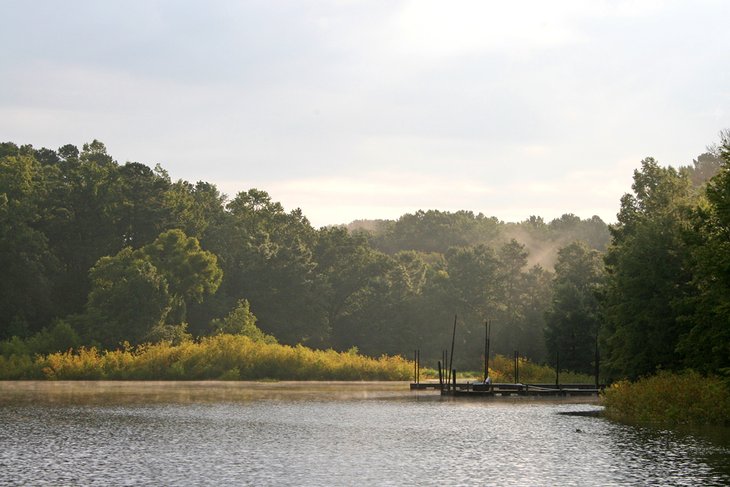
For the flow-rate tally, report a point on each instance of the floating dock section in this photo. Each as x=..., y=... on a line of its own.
x=478, y=389
x=448, y=385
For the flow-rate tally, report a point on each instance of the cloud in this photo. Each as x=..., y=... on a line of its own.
x=435, y=28
x=370, y=109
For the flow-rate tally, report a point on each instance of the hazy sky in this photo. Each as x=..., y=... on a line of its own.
x=371, y=109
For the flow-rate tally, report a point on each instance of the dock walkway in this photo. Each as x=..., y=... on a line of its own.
x=478, y=389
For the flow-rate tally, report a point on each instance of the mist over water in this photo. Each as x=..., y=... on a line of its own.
x=328, y=434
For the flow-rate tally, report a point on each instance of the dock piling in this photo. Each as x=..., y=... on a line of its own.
x=415, y=366
x=597, y=361
x=453, y=338
x=487, y=330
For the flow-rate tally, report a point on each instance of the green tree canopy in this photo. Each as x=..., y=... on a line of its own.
x=137, y=291
x=706, y=346
x=647, y=273
x=191, y=273
x=573, y=319
x=27, y=263
x=129, y=296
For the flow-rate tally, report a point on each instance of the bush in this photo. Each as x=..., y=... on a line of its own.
x=60, y=337
x=241, y=321
x=175, y=334
x=670, y=398
x=14, y=367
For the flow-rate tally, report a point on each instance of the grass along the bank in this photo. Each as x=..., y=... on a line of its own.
x=225, y=357
x=670, y=398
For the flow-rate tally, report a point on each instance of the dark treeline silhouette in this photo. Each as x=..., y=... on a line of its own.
x=95, y=252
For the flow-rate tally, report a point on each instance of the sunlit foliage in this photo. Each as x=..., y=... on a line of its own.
x=670, y=398
x=228, y=357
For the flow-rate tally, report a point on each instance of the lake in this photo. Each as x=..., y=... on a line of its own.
x=240, y=433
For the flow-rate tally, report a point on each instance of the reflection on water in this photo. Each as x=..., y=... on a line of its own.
x=327, y=434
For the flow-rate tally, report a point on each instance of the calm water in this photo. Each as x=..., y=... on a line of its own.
x=134, y=433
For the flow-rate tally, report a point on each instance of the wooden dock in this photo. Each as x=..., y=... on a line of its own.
x=448, y=385
x=478, y=389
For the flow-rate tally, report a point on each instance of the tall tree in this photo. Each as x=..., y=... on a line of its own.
x=191, y=273
x=138, y=205
x=706, y=346
x=647, y=273
x=197, y=209
x=136, y=291
x=510, y=319
x=267, y=258
x=79, y=222
x=28, y=266
x=347, y=268
x=536, y=297
x=573, y=318
x=128, y=298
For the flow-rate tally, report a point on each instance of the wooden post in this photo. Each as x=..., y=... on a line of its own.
x=447, y=373
x=441, y=377
x=486, y=350
x=418, y=366
x=489, y=344
x=415, y=366
x=557, y=369
x=443, y=356
x=597, y=360
x=517, y=372
x=453, y=337
x=453, y=376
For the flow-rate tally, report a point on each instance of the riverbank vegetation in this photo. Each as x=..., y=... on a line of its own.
x=239, y=357
x=112, y=259
x=221, y=357
x=686, y=398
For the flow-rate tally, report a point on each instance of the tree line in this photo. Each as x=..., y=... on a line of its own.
x=100, y=253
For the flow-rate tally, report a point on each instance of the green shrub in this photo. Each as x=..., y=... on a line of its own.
x=670, y=398
x=17, y=366
x=241, y=321
x=14, y=346
x=61, y=336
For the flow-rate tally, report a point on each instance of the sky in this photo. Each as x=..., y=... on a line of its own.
x=354, y=109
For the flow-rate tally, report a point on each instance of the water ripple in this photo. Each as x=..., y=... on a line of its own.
x=315, y=441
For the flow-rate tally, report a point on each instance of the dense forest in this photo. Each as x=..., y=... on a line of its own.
x=104, y=254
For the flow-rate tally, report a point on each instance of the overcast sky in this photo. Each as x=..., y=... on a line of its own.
x=371, y=109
